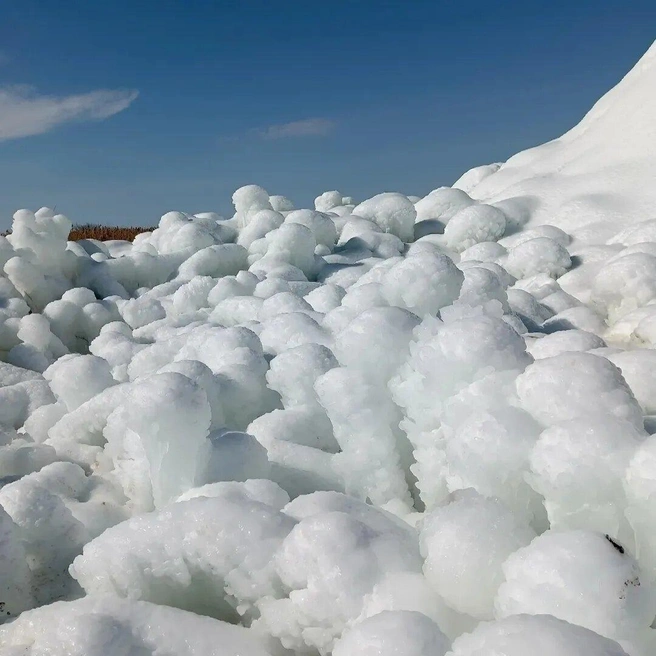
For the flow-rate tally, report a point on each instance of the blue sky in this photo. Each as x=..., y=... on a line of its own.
x=118, y=112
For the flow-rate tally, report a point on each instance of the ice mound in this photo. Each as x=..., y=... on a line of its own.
x=447, y=357
x=160, y=429
x=399, y=426
x=473, y=225
x=584, y=578
x=327, y=564
x=572, y=385
x=48, y=516
x=398, y=633
x=541, y=635
x=176, y=557
x=391, y=212
x=105, y=625
x=464, y=544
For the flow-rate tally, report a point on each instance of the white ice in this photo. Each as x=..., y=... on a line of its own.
x=403, y=426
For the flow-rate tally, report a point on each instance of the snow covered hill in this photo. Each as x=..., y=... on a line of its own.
x=401, y=427
x=599, y=177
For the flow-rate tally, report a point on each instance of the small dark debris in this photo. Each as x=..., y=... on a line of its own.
x=617, y=546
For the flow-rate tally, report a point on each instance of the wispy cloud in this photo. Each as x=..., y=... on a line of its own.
x=309, y=127
x=23, y=112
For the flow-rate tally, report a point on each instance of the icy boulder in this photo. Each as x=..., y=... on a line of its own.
x=474, y=224
x=446, y=357
x=215, y=261
x=294, y=371
x=290, y=245
x=540, y=635
x=329, y=200
x=536, y=256
x=321, y=225
x=572, y=385
x=42, y=268
x=392, y=212
x=259, y=225
x=75, y=379
x=327, y=564
x=578, y=467
x=197, y=554
x=54, y=512
x=104, y=626
x=422, y=283
x=157, y=440
x=376, y=342
x=22, y=392
x=581, y=577
x=625, y=284
x=442, y=204
x=248, y=201
x=465, y=543
x=393, y=633
x=487, y=445
x=638, y=367
x=365, y=422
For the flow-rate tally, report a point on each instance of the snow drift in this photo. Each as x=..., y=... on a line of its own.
x=595, y=180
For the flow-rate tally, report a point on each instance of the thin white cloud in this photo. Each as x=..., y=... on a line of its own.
x=23, y=112
x=309, y=127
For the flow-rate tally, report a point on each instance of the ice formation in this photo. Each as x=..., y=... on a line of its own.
x=398, y=427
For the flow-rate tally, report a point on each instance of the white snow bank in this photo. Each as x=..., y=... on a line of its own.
x=105, y=625
x=596, y=178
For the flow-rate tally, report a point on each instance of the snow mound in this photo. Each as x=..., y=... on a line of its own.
x=541, y=635
x=596, y=178
x=105, y=625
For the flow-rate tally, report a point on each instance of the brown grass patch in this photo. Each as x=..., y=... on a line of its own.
x=105, y=233
x=101, y=233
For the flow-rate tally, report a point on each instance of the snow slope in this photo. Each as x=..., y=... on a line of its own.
x=599, y=177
